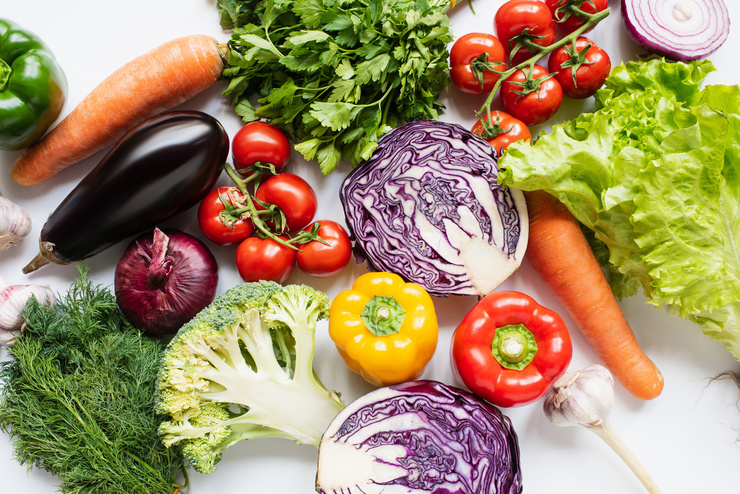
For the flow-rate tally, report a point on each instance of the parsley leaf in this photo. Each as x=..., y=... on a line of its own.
x=336, y=75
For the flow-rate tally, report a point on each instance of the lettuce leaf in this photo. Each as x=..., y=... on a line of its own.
x=654, y=176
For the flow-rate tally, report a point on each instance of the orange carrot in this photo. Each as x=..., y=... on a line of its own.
x=147, y=85
x=560, y=253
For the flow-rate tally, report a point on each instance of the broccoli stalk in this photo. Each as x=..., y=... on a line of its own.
x=243, y=369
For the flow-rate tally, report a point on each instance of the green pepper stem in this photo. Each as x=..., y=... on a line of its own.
x=5, y=72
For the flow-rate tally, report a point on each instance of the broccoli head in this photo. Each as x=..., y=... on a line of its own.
x=243, y=368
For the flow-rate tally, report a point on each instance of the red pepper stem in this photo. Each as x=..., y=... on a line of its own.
x=514, y=346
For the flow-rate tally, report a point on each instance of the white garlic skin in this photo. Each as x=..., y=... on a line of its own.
x=15, y=223
x=13, y=300
x=583, y=397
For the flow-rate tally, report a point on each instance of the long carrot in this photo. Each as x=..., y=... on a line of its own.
x=156, y=81
x=560, y=253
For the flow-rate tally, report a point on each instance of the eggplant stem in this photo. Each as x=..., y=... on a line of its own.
x=44, y=257
x=37, y=262
x=606, y=433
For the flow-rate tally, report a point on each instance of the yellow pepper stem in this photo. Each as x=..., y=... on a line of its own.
x=383, y=315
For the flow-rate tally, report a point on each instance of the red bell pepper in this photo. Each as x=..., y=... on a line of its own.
x=509, y=349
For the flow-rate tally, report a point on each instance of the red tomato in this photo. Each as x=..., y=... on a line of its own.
x=216, y=220
x=293, y=195
x=593, y=68
x=264, y=259
x=468, y=70
x=526, y=22
x=531, y=96
x=259, y=143
x=503, y=129
x=567, y=18
x=322, y=260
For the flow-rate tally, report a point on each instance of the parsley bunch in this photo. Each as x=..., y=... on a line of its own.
x=78, y=397
x=336, y=75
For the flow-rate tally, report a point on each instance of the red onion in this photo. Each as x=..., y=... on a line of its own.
x=164, y=279
x=678, y=29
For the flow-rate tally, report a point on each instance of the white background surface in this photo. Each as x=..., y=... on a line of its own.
x=688, y=438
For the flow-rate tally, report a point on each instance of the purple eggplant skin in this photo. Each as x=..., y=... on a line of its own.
x=158, y=169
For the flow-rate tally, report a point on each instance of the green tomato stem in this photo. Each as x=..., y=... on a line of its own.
x=592, y=20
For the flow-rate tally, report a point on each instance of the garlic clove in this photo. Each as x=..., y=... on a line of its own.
x=13, y=300
x=15, y=223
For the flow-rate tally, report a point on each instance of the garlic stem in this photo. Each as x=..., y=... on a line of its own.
x=606, y=433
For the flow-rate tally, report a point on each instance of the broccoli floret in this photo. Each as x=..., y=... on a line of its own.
x=243, y=368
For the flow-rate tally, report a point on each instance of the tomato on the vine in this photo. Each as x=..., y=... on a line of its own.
x=293, y=196
x=260, y=144
x=524, y=26
x=475, y=60
x=327, y=258
x=592, y=66
x=532, y=96
x=264, y=259
x=219, y=219
x=501, y=130
x=565, y=12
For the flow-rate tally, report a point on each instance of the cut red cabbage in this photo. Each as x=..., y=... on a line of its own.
x=682, y=30
x=419, y=437
x=427, y=206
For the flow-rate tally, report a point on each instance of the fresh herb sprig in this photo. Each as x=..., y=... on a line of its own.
x=77, y=397
x=336, y=75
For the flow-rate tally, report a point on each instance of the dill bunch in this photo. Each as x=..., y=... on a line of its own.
x=77, y=397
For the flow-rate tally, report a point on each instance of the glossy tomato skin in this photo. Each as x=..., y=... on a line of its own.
x=590, y=76
x=468, y=48
x=516, y=16
x=264, y=259
x=323, y=260
x=293, y=195
x=211, y=223
x=510, y=130
x=259, y=142
x=573, y=22
x=537, y=106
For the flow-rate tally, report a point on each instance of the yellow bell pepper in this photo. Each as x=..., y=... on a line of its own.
x=385, y=329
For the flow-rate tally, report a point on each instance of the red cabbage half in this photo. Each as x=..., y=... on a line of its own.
x=427, y=206
x=419, y=437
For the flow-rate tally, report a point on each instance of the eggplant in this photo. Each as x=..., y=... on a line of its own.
x=159, y=168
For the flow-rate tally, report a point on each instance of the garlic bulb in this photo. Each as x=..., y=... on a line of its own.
x=13, y=300
x=15, y=223
x=582, y=397
x=586, y=398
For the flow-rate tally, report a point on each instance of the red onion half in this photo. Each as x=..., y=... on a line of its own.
x=682, y=30
x=164, y=279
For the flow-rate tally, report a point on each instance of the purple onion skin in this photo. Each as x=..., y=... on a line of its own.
x=159, y=291
x=683, y=47
x=465, y=445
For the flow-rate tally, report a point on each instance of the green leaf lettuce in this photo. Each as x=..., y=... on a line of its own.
x=654, y=176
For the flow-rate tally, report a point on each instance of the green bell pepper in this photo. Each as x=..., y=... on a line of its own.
x=32, y=87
